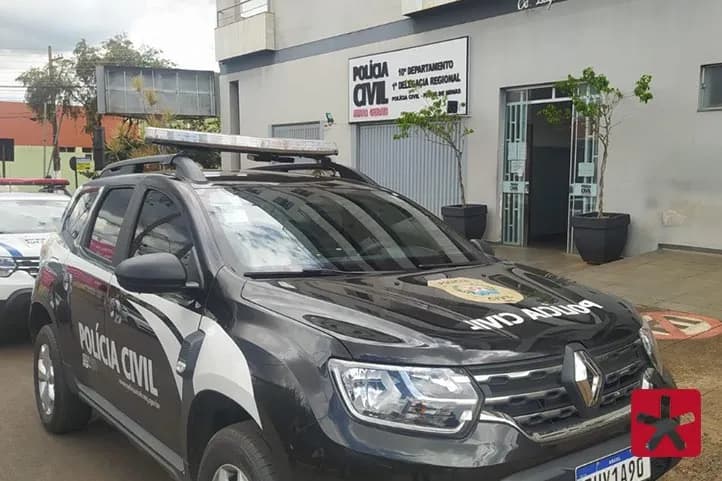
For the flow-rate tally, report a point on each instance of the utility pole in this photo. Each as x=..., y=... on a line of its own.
x=99, y=147
x=54, y=156
x=50, y=75
x=45, y=138
x=45, y=116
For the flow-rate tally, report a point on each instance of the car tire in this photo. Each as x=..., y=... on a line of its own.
x=240, y=450
x=60, y=409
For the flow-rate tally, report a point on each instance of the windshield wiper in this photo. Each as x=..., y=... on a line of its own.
x=301, y=273
x=447, y=264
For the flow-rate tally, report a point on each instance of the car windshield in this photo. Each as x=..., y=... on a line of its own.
x=330, y=225
x=26, y=216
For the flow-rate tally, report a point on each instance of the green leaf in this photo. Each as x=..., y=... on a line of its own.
x=595, y=98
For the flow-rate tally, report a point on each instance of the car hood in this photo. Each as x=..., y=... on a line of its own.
x=22, y=245
x=481, y=314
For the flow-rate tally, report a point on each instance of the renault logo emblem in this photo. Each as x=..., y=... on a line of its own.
x=588, y=378
x=583, y=379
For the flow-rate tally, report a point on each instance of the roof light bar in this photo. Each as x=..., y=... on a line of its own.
x=240, y=143
x=33, y=181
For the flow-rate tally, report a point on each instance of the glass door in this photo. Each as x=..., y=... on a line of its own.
x=584, y=152
x=515, y=187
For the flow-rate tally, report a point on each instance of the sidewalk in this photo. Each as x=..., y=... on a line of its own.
x=665, y=281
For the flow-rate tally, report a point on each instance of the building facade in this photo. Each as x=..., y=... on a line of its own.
x=33, y=143
x=342, y=70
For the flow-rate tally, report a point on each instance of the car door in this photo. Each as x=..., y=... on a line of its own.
x=88, y=274
x=60, y=260
x=153, y=326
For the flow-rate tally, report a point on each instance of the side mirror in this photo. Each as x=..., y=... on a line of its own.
x=152, y=273
x=483, y=246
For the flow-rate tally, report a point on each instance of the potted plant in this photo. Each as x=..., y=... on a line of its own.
x=599, y=236
x=441, y=126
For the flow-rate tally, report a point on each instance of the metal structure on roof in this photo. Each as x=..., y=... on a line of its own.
x=183, y=93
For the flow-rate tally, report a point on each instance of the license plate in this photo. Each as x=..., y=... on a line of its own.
x=621, y=466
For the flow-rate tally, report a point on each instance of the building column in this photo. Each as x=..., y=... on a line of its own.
x=230, y=122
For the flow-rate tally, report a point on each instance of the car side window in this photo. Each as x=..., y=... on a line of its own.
x=162, y=227
x=106, y=227
x=79, y=214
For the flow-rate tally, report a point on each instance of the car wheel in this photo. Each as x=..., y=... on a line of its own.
x=237, y=453
x=60, y=409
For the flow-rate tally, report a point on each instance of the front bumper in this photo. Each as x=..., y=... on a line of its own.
x=518, y=463
x=339, y=448
x=563, y=469
x=14, y=311
x=15, y=293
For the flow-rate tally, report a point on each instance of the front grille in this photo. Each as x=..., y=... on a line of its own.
x=30, y=265
x=532, y=393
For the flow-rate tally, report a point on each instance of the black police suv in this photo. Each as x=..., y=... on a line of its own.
x=270, y=326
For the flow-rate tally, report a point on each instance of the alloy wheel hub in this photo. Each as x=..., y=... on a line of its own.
x=228, y=472
x=46, y=380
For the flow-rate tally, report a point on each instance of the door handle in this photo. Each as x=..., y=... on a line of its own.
x=120, y=313
x=115, y=310
x=67, y=282
x=126, y=316
x=129, y=317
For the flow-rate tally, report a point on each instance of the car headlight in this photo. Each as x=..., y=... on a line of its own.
x=435, y=400
x=650, y=344
x=7, y=266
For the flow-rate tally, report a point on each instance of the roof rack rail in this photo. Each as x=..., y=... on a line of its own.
x=185, y=167
x=321, y=165
x=263, y=149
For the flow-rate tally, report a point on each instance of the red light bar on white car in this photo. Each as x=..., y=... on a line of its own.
x=38, y=181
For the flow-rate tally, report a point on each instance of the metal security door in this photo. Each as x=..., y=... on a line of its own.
x=515, y=187
x=307, y=130
x=583, y=173
x=421, y=170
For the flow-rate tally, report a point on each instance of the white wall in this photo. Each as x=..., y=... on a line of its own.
x=253, y=34
x=303, y=21
x=666, y=155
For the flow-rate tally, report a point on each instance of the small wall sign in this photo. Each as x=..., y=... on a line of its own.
x=527, y=4
x=586, y=169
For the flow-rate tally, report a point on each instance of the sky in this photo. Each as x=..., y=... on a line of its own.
x=182, y=29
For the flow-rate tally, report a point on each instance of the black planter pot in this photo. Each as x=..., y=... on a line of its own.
x=468, y=220
x=600, y=240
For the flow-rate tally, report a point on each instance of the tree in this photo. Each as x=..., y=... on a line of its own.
x=50, y=94
x=209, y=159
x=69, y=88
x=440, y=127
x=119, y=51
x=595, y=99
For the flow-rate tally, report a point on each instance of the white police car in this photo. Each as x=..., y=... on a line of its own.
x=27, y=219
